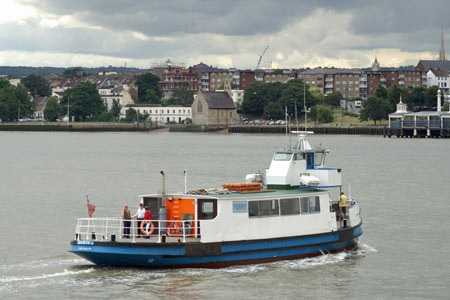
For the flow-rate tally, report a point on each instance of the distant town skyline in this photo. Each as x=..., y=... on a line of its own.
x=344, y=34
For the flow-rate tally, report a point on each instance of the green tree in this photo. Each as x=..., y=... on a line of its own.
x=292, y=94
x=84, y=101
x=381, y=92
x=131, y=115
x=182, y=97
x=415, y=97
x=4, y=111
x=273, y=111
x=37, y=85
x=258, y=95
x=4, y=83
x=375, y=108
x=322, y=113
x=446, y=106
x=116, y=108
x=333, y=99
x=53, y=110
x=430, y=95
x=317, y=94
x=148, y=82
x=106, y=116
x=74, y=72
x=17, y=103
x=393, y=95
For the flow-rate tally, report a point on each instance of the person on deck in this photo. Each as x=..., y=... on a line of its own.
x=343, y=204
x=140, y=217
x=148, y=214
x=126, y=217
x=148, y=217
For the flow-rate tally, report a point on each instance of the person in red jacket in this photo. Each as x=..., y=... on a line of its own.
x=148, y=217
x=148, y=214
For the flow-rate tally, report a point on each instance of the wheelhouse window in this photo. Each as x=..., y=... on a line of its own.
x=318, y=159
x=289, y=207
x=283, y=156
x=299, y=156
x=263, y=208
x=310, y=205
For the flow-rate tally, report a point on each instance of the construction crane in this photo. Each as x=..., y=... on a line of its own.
x=260, y=57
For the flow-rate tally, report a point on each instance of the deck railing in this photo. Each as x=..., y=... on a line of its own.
x=113, y=229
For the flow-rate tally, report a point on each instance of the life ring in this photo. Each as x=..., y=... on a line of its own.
x=144, y=227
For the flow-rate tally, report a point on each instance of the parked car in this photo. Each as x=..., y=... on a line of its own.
x=271, y=122
x=263, y=122
x=257, y=122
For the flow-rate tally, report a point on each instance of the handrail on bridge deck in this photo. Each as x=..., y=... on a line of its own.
x=108, y=229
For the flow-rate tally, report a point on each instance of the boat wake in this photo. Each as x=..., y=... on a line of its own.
x=7, y=279
x=43, y=263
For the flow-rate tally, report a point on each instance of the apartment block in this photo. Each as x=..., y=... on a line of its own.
x=175, y=76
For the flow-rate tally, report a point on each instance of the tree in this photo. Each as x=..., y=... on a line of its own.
x=293, y=93
x=273, y=111
x=4, y=83
x=381, y=92
x=74, y=72
x=53, y=110
x=4, y=111
x=131, y=115
x=148, y=82
x=317, y=94
x=16, y=102
x=431, y=96
x=375, y=108
x=393, y=95
x=85, y=101
x=258, y=95
x=106, y=116
x=116, y=109
x=322, y=113
x=182, y=97
x=37, y=85
x=333, y=99
x=446, y=106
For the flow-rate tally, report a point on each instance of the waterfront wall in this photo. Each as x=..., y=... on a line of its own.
x=79, y=127
x=317, y=130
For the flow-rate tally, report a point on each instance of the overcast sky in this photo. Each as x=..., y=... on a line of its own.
x=231, y=33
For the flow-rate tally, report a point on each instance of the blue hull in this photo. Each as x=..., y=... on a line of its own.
x=214, y=255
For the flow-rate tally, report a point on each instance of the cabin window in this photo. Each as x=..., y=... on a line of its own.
x=318, y=159
x=207, y=209
x=289, y=207
x=283, y=156
x=263, y=208
x=199, y=107
x=310, y=205
x=299, y=156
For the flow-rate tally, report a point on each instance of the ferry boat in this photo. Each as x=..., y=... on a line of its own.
x=289, y=213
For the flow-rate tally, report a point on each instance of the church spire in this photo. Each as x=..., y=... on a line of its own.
x=442, y=51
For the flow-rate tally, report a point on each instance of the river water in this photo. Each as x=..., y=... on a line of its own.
x=402, y=185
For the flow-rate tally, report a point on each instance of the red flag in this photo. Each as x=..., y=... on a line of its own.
x=91, y=209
